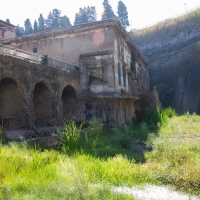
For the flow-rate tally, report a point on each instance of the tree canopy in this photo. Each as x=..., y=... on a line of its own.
x=41, y=25
x=8, y=21
x=35, y=27
x=64, y=21
x=55, y=18
x=122, y=14
x=108, y=12
x=86, y=14
x=19, y=30
x=28, y=27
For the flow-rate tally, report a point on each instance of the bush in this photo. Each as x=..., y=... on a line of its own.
x=152, y=116
x=71, y=137
x=95, y=125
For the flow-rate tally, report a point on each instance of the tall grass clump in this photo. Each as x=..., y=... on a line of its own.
x=72, y=137
x=95, y=125
x=176, y=152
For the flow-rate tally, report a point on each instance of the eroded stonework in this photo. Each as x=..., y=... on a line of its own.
x=104, y=76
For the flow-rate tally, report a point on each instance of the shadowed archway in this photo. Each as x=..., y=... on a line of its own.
x=71, y=106
x=12, y=104
x=43, y=103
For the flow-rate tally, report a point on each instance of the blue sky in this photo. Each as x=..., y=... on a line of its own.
x=141, y=12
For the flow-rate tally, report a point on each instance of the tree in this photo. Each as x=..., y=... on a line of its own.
x=64, y=21
x=41, y=26
x=35, y=27
x=8, y=21
x=91, y=14
x=19, y=30
x=55, y=18
x=48, y=22
x=28, y=27
x=108, y=12
x=85, y=15
x=122, y=14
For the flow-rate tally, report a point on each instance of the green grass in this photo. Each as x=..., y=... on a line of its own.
x=87, y=166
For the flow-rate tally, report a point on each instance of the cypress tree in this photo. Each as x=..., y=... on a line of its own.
x=122, y=14
x=48, y=22
x=41, y=26
x=64, y=21
x=28, y=27
x=108, y=12
x=35, y=27
x=55, y=18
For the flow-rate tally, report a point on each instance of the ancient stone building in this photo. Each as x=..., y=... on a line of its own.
x=76, y=72
x=6, y=30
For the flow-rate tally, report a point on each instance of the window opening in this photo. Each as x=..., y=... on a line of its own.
x=124, y=76
x=119, y=74
x=34, y=50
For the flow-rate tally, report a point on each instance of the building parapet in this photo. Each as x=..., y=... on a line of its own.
x=35, y=58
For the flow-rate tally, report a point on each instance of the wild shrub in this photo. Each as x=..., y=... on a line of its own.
x=71, y=137
x=152, y=116
x=95, y=125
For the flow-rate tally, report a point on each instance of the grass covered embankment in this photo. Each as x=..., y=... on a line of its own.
x=85, y=167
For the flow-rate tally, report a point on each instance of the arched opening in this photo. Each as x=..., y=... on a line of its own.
x=71, y=106
x=12, y=104
x=43, y=104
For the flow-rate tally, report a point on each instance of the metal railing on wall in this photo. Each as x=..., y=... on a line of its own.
x=35, y=58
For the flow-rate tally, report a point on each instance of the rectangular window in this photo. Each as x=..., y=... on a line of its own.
x=2, y=34
x=94, y=69
x=34, y=50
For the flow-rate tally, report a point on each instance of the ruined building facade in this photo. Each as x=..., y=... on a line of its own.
x=77, y=72
x=6, y=30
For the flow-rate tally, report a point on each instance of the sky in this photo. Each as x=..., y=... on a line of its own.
x=142, y=13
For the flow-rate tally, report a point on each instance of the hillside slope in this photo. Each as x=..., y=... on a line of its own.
x=173, y=52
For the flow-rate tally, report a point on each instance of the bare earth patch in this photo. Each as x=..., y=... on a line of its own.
x=154, y=193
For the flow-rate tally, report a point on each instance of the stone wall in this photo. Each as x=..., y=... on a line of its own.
x=31, y=91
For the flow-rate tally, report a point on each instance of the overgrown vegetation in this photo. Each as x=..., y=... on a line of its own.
x=87, y=163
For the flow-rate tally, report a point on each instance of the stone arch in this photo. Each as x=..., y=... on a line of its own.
x=12, y=104
x=72, y=107
x=43, y=102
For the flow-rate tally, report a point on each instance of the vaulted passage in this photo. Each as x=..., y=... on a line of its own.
x=71, y=106
x=12, y=104
x=43, y=104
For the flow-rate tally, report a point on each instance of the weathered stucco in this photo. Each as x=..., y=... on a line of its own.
x=100, y=80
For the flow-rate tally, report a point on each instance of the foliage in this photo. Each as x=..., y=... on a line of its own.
x=71, y=137
x=152, y=116
x=97, y=165
x=28, y=27
x=35, y=27
x=41, y=25
x=108, y=12
x=48, y=22
x=19, y=30
x=122, y=14
x=175, y=152
x=64, y=21
x=86, y=14
x=95, y=125
x=8, y=21
x=157, y=117
x=55, y=18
